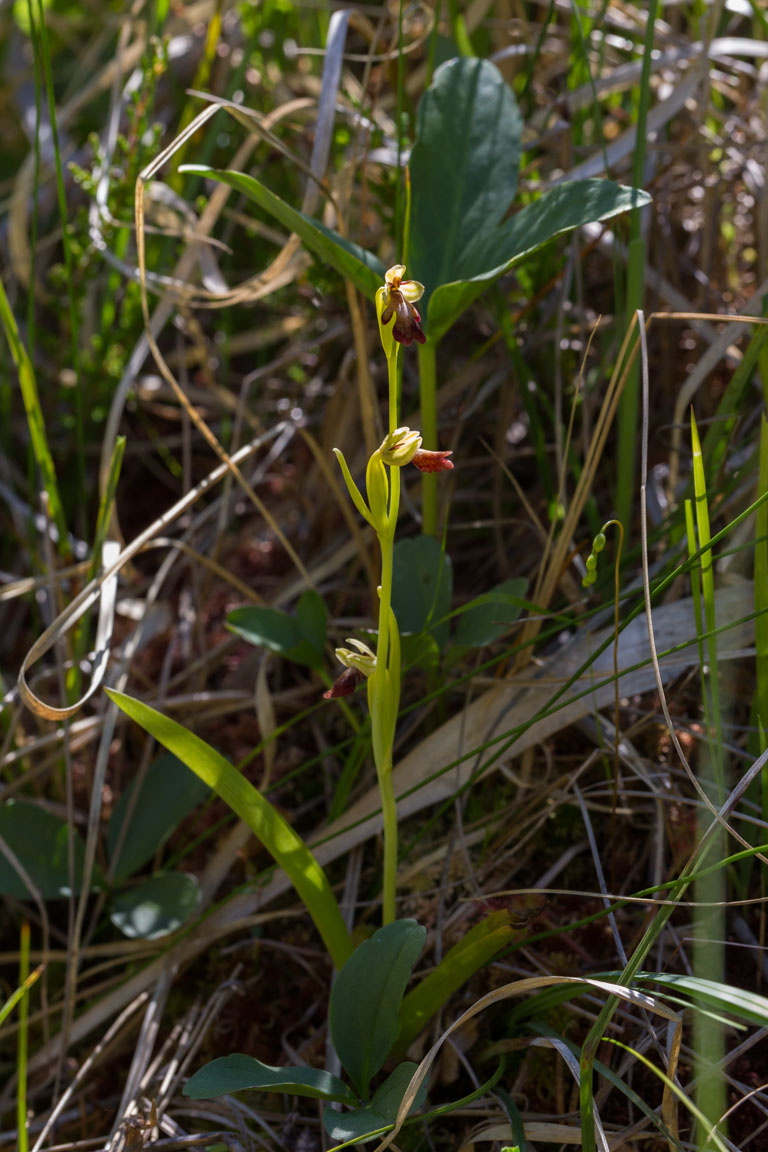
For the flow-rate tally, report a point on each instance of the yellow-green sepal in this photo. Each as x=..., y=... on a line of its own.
x=353, y=489
x=388, y=342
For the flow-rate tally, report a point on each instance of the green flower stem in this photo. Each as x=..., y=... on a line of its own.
x=428, y=400
x=384, y=685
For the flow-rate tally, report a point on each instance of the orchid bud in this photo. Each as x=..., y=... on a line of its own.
x=377, y=486
x=400, y=447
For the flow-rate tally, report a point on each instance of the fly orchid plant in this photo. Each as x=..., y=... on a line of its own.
x=399, y=323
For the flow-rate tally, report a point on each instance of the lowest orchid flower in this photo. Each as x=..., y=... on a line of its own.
x=358, y=664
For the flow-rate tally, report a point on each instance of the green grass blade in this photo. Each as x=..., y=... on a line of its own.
x=35, y=419
x=709, y=921
x=471, y=953
x=750, y=1007
x=22, y=1045
x=42, y=41
x=733, y=402
x=80, y=634
x=761, y=583
x=630, y=400
x=350, y=260
x=284, y=845
x=677, y=1091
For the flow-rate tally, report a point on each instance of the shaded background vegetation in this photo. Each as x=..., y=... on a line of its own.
x=270, y=347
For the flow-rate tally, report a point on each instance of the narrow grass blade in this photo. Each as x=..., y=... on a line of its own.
x=350, y=260
x=630, y=399
x=80, y=635
x=74, y=323
x=734, y=402
x=675, y=1090
x=35, y=419
x=22, y=1045
x=761, y=583
x=709, y=921
x=20, y=993
x=473, y=951
x=750, y=1007
x=284, y=845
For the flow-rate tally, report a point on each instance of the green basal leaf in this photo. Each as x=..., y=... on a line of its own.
x=236, y=1072
x=422, y=587
x=366, y=998
x=463, y=168
x=351, y=261
x=168, y=793
x=40, y=842
x=488, y=617
x=419, y=650
x=365, y=1123
x=284, y=845
x=300, y=639
x=468, y=956
x=493, y=253
x=156, y=906
x=312, y=618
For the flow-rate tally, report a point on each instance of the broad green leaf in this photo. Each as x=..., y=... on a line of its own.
x=312, y=618
x=364, y=1123
x=471, y=953
x=488, y=617
x=494, y=252
x=156, y=906
x=422, y=586
x=284, y=845
x=168, y=793
x=463, y=168
x=235, y=1073
x=419, y=649
x=366, y=998
x=39, y=840
x=351, y=261
x=300, y=638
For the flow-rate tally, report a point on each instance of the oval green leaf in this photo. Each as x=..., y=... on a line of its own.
x=39, y=840
x=169, y=792
x=295, y=639
x=236, y=1072
x=463, y=168
x=367, y=1123
x=488, y=617
x=156, y=906
x=422, y=586
x=492, y=253
x=367, y=995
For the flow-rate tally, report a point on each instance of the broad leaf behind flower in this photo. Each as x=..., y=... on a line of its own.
x=464, y=168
